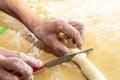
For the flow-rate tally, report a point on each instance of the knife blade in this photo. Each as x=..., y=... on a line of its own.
x=64, y=58
x=55, y=62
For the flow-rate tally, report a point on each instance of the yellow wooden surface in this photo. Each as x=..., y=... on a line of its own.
x=102, y=32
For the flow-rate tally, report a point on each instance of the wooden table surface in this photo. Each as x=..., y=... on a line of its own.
x=102, y=33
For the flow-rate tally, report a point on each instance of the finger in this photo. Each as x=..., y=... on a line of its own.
x=72, y=32
x=4, y=75
x=17, y=64
x=56, y=45
x=82, y=35
x=79, y=26
x=29, y=60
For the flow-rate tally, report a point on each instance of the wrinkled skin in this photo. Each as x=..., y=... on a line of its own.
x=13, y=60
x=47, y=30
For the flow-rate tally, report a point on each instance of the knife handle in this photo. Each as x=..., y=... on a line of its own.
x=34, y=70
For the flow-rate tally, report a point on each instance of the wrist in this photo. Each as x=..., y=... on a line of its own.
x=32, y=22
x=20, y=10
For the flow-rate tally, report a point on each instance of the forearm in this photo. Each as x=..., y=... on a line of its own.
x=20, y=10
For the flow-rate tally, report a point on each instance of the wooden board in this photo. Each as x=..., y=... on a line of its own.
x=102, y=33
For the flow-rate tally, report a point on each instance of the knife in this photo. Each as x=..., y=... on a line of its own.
x=55, y=62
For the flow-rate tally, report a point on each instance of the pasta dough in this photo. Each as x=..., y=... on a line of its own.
x=102, y=33
x=89, y=70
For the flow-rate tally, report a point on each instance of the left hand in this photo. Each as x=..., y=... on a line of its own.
x=16, y=61
x=48, y=31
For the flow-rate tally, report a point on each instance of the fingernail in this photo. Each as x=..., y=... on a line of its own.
x=80, y=47
x=39, y=63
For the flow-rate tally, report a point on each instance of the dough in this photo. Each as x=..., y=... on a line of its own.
x=102, y=20
x=89, y=70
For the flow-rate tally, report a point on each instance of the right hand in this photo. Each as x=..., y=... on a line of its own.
x=48, y=31
x=16, y=61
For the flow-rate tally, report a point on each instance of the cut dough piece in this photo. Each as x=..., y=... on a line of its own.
x=89, y=70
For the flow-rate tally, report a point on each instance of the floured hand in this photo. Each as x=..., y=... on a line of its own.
x=48, y=31
x=13, y=60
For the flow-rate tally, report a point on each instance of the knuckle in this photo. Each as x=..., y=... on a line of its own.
x=18, y=54
x=17, y=60
x=28, y=71
x=58, y=48
x=82, y=26
x=62, y=50
x=59, y=22
x=76, y=33
x=15, y=53
x=61, y=25
x=78, y=25
x=36, y=62
x=50, y=38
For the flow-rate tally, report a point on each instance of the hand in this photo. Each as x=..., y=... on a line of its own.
x=13, y=60
x=48, y=31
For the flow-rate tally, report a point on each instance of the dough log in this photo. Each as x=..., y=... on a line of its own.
x=88, y=69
